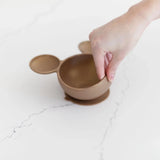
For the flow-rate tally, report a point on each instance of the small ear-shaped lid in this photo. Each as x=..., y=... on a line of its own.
x=85, y=47
x=45, y=64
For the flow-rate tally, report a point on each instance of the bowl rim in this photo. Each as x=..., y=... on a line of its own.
x=82, y=88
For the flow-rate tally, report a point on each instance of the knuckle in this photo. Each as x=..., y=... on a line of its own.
x=91, y=35
x=96, y=42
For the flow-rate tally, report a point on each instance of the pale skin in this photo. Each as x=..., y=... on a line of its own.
x=111, y=42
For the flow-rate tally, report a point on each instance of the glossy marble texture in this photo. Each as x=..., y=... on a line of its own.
x=36, y=122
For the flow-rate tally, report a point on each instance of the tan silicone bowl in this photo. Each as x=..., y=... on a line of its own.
x=76, y=74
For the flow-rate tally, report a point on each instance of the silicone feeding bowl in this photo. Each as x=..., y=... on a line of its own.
x=76, y=74
x=85, y=47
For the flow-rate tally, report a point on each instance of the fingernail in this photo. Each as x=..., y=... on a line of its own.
x=109, y=55
x=101, y=77
x=111, y=77
x=106, y=61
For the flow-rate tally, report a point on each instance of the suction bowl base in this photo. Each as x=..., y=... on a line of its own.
x=88, y=102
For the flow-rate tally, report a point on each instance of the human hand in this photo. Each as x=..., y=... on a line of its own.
x=111, y=42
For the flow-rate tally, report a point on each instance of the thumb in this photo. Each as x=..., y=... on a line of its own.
x=112, y=67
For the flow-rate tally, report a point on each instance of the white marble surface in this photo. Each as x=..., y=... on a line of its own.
x=36, y=122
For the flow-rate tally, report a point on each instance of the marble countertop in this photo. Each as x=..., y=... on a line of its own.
x=36, y=122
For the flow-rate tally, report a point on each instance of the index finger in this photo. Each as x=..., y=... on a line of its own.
x=98, y=56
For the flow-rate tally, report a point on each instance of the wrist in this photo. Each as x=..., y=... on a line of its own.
x=137, y=19
x=146, y=10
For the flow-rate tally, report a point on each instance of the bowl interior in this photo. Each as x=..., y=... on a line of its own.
x=79, y=71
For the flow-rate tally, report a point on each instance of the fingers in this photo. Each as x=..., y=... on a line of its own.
x=98, y=56
x=112, y=67
x=109, y=56
x=106, y=63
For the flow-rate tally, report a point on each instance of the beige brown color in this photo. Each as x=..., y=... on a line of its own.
x=88, y=102
x=85, y=47
x=76, y=74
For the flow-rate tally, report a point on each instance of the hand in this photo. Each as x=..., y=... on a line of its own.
x=111, y=42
